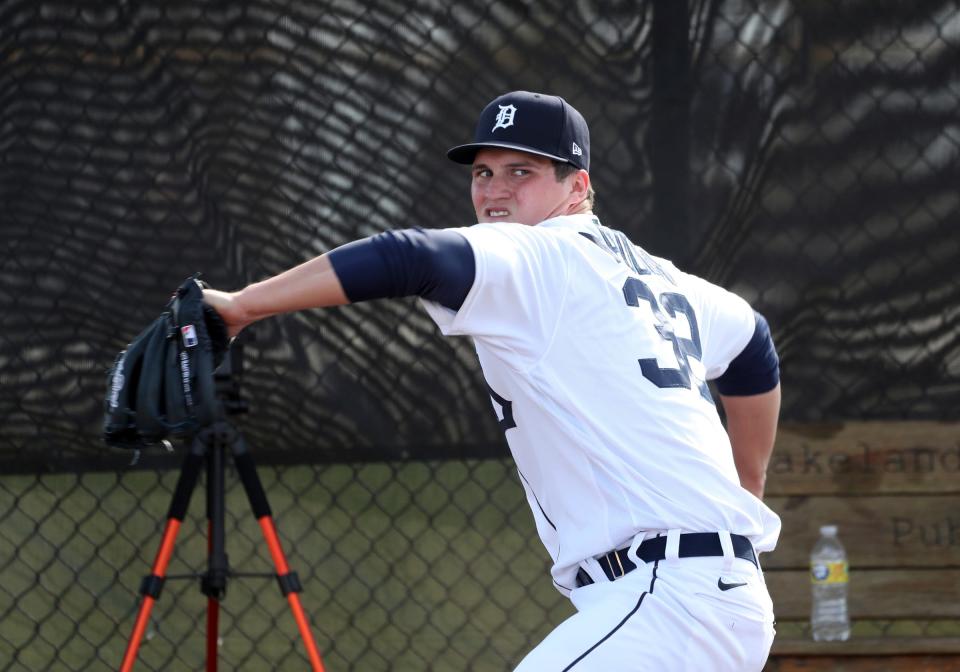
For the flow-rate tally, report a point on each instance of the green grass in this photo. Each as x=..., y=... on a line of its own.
x=404, y=566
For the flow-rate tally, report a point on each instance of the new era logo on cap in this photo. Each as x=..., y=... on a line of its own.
x=530, y=122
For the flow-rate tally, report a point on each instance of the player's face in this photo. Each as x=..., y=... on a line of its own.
x=512, y=186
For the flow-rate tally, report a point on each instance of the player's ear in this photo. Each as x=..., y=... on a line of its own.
x=580, y=185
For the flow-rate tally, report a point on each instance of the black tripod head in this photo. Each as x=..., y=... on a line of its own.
x=229, y=379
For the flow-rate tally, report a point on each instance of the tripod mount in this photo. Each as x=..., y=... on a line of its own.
x=209, y=448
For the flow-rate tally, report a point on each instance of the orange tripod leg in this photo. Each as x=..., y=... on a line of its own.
x=153, y=584
x=213, y=615
x=289, y=583
x=290, y=586
x=157, y=574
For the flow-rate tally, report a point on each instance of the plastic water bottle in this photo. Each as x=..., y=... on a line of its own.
x=829, y=619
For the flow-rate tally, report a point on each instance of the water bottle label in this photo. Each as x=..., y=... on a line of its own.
x=829, y=572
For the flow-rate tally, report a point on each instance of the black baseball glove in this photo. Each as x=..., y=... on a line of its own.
x=162, y=385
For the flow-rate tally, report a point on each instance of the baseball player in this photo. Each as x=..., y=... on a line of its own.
x=596, y=356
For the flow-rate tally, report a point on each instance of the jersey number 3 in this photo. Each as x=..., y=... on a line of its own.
x=635, y=290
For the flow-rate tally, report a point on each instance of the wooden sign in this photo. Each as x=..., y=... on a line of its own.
x=865, y=458
x=893, y=490
x=877, y=594
x=891, y=531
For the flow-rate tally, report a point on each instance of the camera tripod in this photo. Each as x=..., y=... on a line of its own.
x=209, y=448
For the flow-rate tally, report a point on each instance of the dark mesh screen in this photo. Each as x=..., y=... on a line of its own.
x=806, y=157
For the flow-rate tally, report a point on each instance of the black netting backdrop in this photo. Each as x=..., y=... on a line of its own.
x=804, y=154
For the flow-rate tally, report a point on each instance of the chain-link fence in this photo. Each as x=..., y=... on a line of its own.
x=805, y=155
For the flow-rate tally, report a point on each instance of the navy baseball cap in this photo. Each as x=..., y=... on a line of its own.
x=530, y=122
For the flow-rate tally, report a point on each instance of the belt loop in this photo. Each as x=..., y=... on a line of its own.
x=727, y=545
x=592, y=567
x=672, y=551
x=634, y=545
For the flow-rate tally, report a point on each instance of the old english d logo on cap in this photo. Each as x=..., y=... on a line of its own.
x=504, y=117
x=530, y=122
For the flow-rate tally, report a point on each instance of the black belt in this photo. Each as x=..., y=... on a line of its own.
x=693, y=545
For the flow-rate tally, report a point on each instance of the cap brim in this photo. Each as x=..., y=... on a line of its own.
x=466, y=153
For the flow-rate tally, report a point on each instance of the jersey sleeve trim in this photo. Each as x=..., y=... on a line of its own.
x=437, y=265
x=756, y=369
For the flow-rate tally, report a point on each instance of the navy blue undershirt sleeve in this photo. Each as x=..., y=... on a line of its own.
x=437, y=265
x=756, y=369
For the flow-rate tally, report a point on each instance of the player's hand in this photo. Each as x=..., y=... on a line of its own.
x=228, y=307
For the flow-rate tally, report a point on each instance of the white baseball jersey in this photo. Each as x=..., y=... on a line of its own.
x=596, y=354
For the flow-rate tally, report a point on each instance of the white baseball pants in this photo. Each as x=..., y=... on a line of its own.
x=668, y=616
